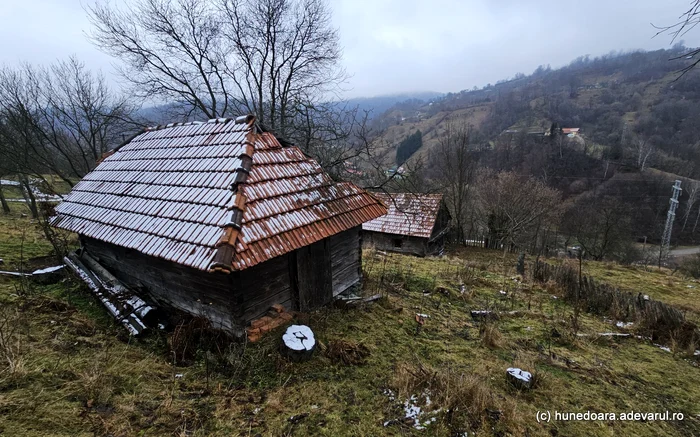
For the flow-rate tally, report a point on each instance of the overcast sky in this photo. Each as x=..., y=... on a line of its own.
x=393, y=46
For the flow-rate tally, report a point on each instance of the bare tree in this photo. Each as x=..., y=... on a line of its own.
x=687, y=22
x=692, y=198
x=513, y=207
x=3, y=201
x=334, y=135
x=644, y=150
x=276, y=59
x=600, y=225
x=172, y=51
x=455, y=168
x=286, y=57
x=58, y=120
x=83, y=112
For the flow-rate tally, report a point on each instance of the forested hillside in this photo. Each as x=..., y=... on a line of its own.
x=639, y=130
x=616, y=99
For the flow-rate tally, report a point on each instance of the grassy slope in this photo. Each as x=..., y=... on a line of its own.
x=431, y=128
x=659, y=284
x=20, y=237
x=475, y=115
x=76, y=373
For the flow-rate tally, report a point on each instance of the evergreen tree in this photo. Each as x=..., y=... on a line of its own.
x=408, y=147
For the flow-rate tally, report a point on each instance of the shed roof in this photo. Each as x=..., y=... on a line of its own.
x=408, y=214
x=220, y=195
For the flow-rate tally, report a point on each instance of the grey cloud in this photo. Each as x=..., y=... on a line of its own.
x=392, y=46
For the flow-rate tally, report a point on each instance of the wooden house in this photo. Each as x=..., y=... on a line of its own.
x=570, y=131
x=414, y=224
x=219, y=219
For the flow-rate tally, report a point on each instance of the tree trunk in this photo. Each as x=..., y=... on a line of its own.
x=5, y=206
x=298, y=343
x=28, y=195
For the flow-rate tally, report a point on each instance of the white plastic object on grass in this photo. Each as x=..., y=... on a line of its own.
x=520, y=374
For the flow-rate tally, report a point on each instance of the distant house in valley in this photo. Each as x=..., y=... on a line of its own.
x=572, y=131
x=534, y=132
x=415, y=224
x=396, y=171
x=221, y=220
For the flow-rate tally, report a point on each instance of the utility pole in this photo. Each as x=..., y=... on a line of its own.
x=666, y=238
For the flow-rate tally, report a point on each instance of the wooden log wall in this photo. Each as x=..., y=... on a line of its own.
x=314, y=279
x=382, y=241
x=320, y=272
x=264, y=285
x=346, y=260
x=210, y=295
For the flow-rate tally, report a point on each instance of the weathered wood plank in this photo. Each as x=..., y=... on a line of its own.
x=396, y=243
x=168, y=284
x=257, y=309
x=314, y=277
x=346, y=259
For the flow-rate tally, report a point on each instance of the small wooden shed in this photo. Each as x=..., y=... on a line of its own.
x=414, y=224
x=219, y=219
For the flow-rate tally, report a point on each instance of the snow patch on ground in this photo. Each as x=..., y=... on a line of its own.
x=40, y=197
x=414, y=410
x=390, y=394
x=47, y=270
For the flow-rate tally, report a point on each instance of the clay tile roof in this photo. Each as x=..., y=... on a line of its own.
x=219, y=195
x=408, y=214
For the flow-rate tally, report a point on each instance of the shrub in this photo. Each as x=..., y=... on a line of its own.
x=691, y=266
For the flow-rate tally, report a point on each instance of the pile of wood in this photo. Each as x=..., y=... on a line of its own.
x=276, y=317
x=123, y=304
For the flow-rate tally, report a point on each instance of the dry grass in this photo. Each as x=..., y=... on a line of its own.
x=347, y=352
x=80, y=375
x=490, y=336
x=11, y=359
x=466, y=400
